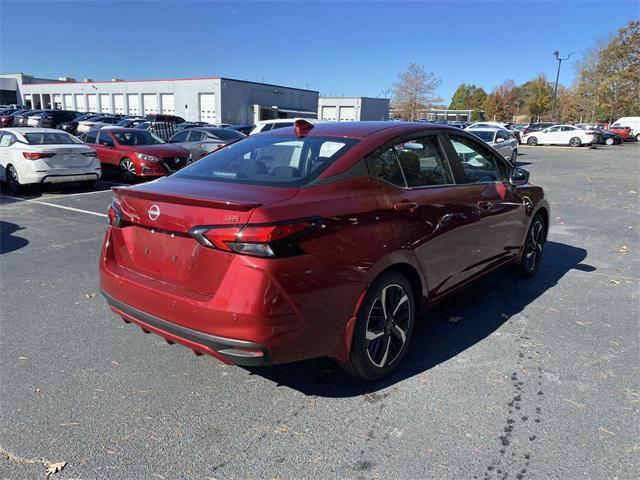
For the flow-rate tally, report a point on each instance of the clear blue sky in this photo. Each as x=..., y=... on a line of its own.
x=350, y=48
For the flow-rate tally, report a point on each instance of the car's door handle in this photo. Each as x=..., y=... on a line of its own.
x=405, y=207
x=485, y=204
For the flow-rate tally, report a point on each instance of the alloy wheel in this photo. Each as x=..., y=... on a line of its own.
x=387, y=325
x=575, y=142
x=533, y=141
x=534, y=244
x=128, y=170
x=609, y=141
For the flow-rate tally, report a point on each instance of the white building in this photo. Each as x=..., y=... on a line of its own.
x=212, y=99
x=350, y=109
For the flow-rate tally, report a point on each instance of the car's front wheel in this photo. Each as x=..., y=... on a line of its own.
x=610, y=141
x=13, y=180
x=533, y=245
x=575, y=142
x=383, y=328
x=533, y=141
x=127, y=170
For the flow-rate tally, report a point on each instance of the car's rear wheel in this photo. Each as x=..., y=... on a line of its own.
x=638, y=137
x=610, y=141
x=533, y=245
x=127, y=170
x=575, y=142
x=514, y=157
x=383, y=328
x=533, y=141
x=13, y=181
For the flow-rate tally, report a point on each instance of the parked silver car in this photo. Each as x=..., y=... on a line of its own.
x=500, y=139
x=203, y=141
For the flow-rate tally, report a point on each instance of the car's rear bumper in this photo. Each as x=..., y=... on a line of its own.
x=228, y=350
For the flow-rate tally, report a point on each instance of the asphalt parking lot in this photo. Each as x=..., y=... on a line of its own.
x=515, y=379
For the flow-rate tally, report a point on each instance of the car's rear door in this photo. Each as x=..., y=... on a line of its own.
x=500, y=208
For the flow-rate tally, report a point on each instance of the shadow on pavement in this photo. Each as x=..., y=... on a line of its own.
x=481, y=310
x=8, y=241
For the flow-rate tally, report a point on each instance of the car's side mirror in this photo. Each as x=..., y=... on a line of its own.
x=499, y=140
x=518, y=176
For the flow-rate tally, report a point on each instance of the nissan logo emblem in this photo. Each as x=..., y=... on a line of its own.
x=154, y=212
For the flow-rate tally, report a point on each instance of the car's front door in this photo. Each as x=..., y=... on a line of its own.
x=500, y=209
x=108, y=153
x=428, y=216
x=552, y=136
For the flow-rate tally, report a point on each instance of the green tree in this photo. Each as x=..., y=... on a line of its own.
x=414, y=92
x=537, y=96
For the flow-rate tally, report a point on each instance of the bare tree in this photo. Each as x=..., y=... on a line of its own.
x=413, y=92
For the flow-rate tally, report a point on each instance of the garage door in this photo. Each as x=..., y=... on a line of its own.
x=207, y=107
x=92, y=101
x=149, y=103
x=105, y=103
x=168, y=106
x=329, y=113
x=118, y=103
x=80, y=105
x=57, y=101
x=134, y=103
x=347, y=114
x=68, y=101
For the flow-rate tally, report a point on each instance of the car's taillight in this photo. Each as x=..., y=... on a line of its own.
x=36, y=155
x=273, y=240
x=115, y=216
x=90, y=154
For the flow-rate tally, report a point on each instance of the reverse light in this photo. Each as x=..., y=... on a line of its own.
x=37, y=155
x=273, y=240
x=148, y=158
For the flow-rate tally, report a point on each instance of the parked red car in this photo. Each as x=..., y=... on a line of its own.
x=624, y=132
x=136, y=153
x=318, y=240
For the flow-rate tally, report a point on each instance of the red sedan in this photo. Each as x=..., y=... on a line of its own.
x=318, y=240
x=136, y=153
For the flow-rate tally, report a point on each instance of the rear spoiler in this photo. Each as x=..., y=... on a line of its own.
x=184, y=200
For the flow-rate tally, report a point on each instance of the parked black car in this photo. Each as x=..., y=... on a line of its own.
x=536, y=127
x=607, y=137
x=130, y=122
x=246, y=129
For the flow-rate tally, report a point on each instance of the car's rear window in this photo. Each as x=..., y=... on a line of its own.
x=53, y=138
x=270, y=160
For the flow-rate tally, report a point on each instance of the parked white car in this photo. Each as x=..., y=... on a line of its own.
x=96, y=123
x=45, y=155
x=265, y=125
x=632, y=122
x=560, y=135
x=500, y=139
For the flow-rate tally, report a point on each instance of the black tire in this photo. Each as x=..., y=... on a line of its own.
x=127, y=170
x=533, y=141
x=380, y=339
x=514, y=157
x=533, y=246
x=575, y=142
x=13, y=181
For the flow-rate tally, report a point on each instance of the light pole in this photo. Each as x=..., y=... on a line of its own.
x=555, y=90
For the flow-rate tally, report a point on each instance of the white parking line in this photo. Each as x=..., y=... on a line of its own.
x=67, y=195
x=57, y=206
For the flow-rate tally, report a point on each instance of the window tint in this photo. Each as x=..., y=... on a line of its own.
x=137, y=138
x=485, y=135
x=554, y=129
x=225, y=133
x=7, y=139
x=281, y=125
x=90, y=137
x=50, y=138
x=502, y=134
x=268, y=160
x=478, y=163
x=105, y=139
x=568, y=129
x=385, y=166
x=423, y=163
x=180, y=137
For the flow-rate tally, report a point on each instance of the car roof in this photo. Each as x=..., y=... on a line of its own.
x=23, y=130
x=484, y=129
x=361, y=129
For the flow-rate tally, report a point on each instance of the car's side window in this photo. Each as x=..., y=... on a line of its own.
x=423, y=163
x=105, y=139
x=195, y=136
x=554, y=129
x=568, y=129
x=478, y=163
x=385, y=165
x=90, y=137
x=180, y=136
